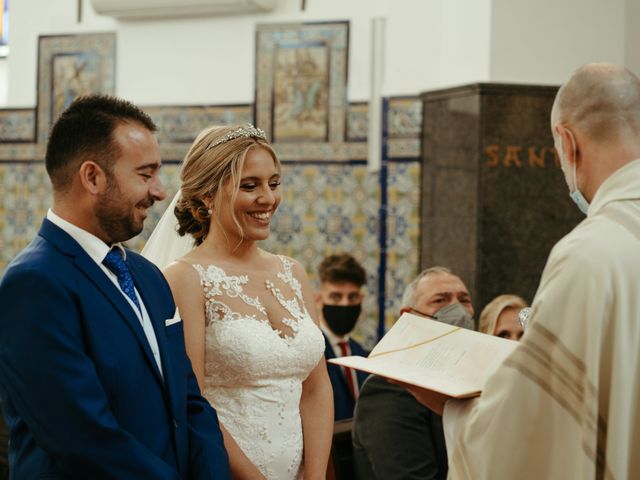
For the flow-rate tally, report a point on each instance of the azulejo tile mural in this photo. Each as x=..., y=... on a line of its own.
x=70, y=66
x=357, y=122
x=404, y=117
x=17, y=125
x=403, y=227
x=20, y=152
x=25, y=196
x=301, y=81
x=182, y=124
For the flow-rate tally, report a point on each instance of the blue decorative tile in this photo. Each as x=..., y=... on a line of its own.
x=357, y=122
x=402, y=247
x=25, y=196
x=17, y=125
x=404, y=118
x=182, y=124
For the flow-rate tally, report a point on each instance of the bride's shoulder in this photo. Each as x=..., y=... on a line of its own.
x=180, y=267
x=276, y=261
x=181, y=274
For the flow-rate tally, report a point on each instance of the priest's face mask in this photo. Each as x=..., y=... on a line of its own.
x=341, y=306
x=569, y=169
x=444, y=297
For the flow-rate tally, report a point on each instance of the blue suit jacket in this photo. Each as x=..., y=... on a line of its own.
x=343, y=402
x=82, y=394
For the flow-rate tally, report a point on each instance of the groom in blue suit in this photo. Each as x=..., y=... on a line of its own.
x=94, y=378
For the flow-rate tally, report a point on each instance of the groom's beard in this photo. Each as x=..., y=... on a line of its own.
x=119, y=217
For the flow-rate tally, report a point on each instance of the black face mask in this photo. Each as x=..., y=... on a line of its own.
x=341, y=319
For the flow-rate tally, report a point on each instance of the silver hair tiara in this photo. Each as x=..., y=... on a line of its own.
x=246, y=131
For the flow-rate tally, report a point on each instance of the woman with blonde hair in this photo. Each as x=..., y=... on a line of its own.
x=500, y=317
x=250, y=323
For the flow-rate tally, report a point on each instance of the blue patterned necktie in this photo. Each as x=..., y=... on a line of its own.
x=114, y=262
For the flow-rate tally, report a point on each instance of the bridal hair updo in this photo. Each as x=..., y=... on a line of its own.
x=215, y=157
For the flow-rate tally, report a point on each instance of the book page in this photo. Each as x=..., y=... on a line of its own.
x=434, y=355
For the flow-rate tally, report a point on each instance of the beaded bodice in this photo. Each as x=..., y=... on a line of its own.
x=261, y=344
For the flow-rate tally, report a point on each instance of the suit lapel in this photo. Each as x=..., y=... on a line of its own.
x=356, y=349
x=153, y=306
x=328, y=349
x=339, y=370
x=118, y=300
x=97, y=276
x=148, y=291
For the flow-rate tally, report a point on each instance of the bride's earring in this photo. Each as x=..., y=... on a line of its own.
x=209, y=211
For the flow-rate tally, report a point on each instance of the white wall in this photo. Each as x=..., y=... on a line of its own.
x=465, y=47
x=211, y=60
x=632, y=36
x=544, y=41
x=430, y=44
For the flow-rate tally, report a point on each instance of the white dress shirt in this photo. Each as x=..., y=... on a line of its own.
x=97, y=250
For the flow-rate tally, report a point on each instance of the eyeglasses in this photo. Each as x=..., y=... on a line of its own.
x=523, y=315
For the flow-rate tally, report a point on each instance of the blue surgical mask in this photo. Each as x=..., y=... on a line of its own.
x=580, y=201
x=574, y=191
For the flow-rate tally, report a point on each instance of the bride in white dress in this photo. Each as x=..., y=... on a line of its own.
x=249, y=316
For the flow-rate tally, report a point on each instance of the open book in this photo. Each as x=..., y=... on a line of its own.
x=435, y=356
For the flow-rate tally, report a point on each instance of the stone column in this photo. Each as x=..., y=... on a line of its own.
x=494, y=200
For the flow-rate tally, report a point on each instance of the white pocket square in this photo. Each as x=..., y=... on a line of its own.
x=176, y=319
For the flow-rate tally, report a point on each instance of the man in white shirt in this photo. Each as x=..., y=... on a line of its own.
x=94, y=377
x=566, y=403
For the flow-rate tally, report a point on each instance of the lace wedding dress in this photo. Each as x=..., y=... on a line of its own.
x=261, y=344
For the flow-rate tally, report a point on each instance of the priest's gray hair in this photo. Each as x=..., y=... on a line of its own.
x=602, y=101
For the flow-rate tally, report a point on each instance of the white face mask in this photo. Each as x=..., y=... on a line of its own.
x=574, y=191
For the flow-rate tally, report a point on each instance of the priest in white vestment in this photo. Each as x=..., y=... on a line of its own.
x=566, y=403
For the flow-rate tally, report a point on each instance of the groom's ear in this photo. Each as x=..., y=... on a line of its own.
x=92, y=177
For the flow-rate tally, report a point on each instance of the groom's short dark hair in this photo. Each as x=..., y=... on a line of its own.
x=84, y=131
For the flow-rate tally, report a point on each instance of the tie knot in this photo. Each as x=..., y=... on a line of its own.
x=344, y=347
x=114, y=262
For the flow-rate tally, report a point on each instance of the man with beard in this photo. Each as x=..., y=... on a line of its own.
x=339, y=302
x=94, y=378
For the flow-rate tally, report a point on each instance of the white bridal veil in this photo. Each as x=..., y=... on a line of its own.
x=165, y=245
